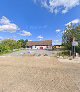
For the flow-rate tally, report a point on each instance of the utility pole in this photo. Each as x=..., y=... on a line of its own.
x=73, y=46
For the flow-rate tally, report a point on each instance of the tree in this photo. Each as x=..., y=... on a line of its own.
x=9, y=43
x=20, y=43
x=25, y=43
x=72, y=32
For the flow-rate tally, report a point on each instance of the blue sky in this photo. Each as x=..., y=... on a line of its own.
x=37, y=19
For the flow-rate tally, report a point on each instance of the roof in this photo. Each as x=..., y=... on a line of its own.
x=40, y=43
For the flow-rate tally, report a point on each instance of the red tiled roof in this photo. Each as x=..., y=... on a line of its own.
x=40, y=43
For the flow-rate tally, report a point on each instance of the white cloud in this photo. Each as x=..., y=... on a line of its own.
x=6, y=25
x=4, y=20
x=40, y=37
x=76, y=21
x=55, y=6
x=9, y=28
x=29, y=40
x=64, y=11
x=25, y=33
x=58, y=30
x=56, y=11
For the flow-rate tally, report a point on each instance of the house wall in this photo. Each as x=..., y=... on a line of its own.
x=59, y=47
x=44, y=47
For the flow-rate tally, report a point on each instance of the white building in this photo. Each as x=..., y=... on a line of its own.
x=47, y=44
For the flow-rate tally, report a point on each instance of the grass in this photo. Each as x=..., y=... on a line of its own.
x=8, y=52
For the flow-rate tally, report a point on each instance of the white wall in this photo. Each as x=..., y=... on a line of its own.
x=44, y=47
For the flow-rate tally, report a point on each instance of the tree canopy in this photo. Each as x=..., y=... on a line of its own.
x=71, y=33
x=9, y=44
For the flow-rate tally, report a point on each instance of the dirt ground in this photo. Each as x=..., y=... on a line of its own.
x=38, y=74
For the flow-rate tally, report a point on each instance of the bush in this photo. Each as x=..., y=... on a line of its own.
x=78, y=49
x=9, y=45
x=65, y=53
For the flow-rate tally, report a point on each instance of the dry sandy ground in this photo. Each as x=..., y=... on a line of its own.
x=38, y=74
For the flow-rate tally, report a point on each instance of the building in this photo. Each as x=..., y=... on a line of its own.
x=47, y=44
x=58, y=47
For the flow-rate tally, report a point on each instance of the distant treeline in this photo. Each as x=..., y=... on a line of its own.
x=8, y=45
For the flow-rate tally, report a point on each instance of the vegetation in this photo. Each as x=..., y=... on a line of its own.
x=72, y=33
x=8, y=45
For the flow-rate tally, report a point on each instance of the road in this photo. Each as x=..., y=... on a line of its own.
x=38, y=74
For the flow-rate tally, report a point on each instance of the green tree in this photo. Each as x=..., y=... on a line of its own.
x=20, y=43
x=25, y=43
x=4, y=48
x=9, y=43
x=72, y=32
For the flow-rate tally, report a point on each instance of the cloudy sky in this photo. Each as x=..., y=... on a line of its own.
x=37, y=19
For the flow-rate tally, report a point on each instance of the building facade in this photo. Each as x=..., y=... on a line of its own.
x=47, y=44
x=58, y=47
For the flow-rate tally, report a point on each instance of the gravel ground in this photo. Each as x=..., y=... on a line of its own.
x=38, y=74
x=31, y=52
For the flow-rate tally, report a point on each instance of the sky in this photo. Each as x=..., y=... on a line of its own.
x=37, y=20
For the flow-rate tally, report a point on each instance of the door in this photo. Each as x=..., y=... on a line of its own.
x=41, y=48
